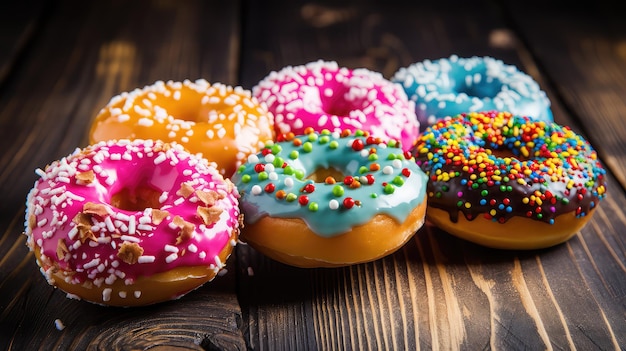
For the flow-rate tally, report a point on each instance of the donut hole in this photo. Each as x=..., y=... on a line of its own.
x=486, y=88
x=320, y=174
x=341, y=101
x=507, y=153
x=136, y=199
x=189, y=110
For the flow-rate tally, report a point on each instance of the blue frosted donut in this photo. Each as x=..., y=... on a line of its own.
x=450, y=86
x=325, y=199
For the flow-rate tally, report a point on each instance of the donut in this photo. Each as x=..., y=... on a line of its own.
x=328, y=200
x=506, y=181
x=321, y=95
x=223, y=123
x=454, y=85
x=130, y=223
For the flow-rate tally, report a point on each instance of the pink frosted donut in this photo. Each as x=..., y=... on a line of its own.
x=323, y=95
x=128, y=223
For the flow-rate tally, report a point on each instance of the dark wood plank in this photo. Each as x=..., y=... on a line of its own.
x=583, y=58
x=438, y=292
x=19, y=23
x=87, y=53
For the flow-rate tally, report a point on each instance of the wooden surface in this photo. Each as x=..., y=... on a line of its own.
x=61, y=61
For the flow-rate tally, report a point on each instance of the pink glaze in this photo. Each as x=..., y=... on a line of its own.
x=322, y=95
x=62, y=193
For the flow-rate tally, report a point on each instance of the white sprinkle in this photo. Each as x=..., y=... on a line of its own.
x=159, y=159
x=146, y=122
x=171, y=258
x=109, y=223
x=253, y=159
x=116, y=157
x=192, y=248
x=137, y=293
x=163, y=197
x=73, y=196
x=396, y=163
x=110, y=279
x=59, y=324
x=170, y=248
x=333, y=204
x=131, y=225
x=132, y=239
x=106, y=294
x=72, y=233
x=145, y=218
x=289, y=183
x=250, y=271
x=145, y=227
x=72, y=296
x=122, y=294
x=122, y=217
x=387, y=170
x=146, y=259
x=256, y=189
x=92, y=263
x=218, y=261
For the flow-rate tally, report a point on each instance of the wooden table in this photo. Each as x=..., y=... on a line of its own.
x=61, y=61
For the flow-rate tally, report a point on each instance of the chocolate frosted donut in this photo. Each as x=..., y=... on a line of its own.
x=508, y=182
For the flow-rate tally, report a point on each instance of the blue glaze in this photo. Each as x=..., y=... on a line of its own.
x=451, y=86
x=398, y=186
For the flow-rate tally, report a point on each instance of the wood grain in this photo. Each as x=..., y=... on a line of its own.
x=583, y=58
x=85, y=53
x=436, y=293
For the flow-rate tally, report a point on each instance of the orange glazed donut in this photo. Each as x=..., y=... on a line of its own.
x=128, y=223
x=328, y=199
x=223, y=123
x=507, y=182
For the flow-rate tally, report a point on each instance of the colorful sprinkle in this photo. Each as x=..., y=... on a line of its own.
x=505, y=165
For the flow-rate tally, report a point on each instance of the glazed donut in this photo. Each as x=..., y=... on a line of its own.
x=129, y=223
x=504, y=181
x=451, y=86
x=327, y=200
x=322, y=95
x=223, y=123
